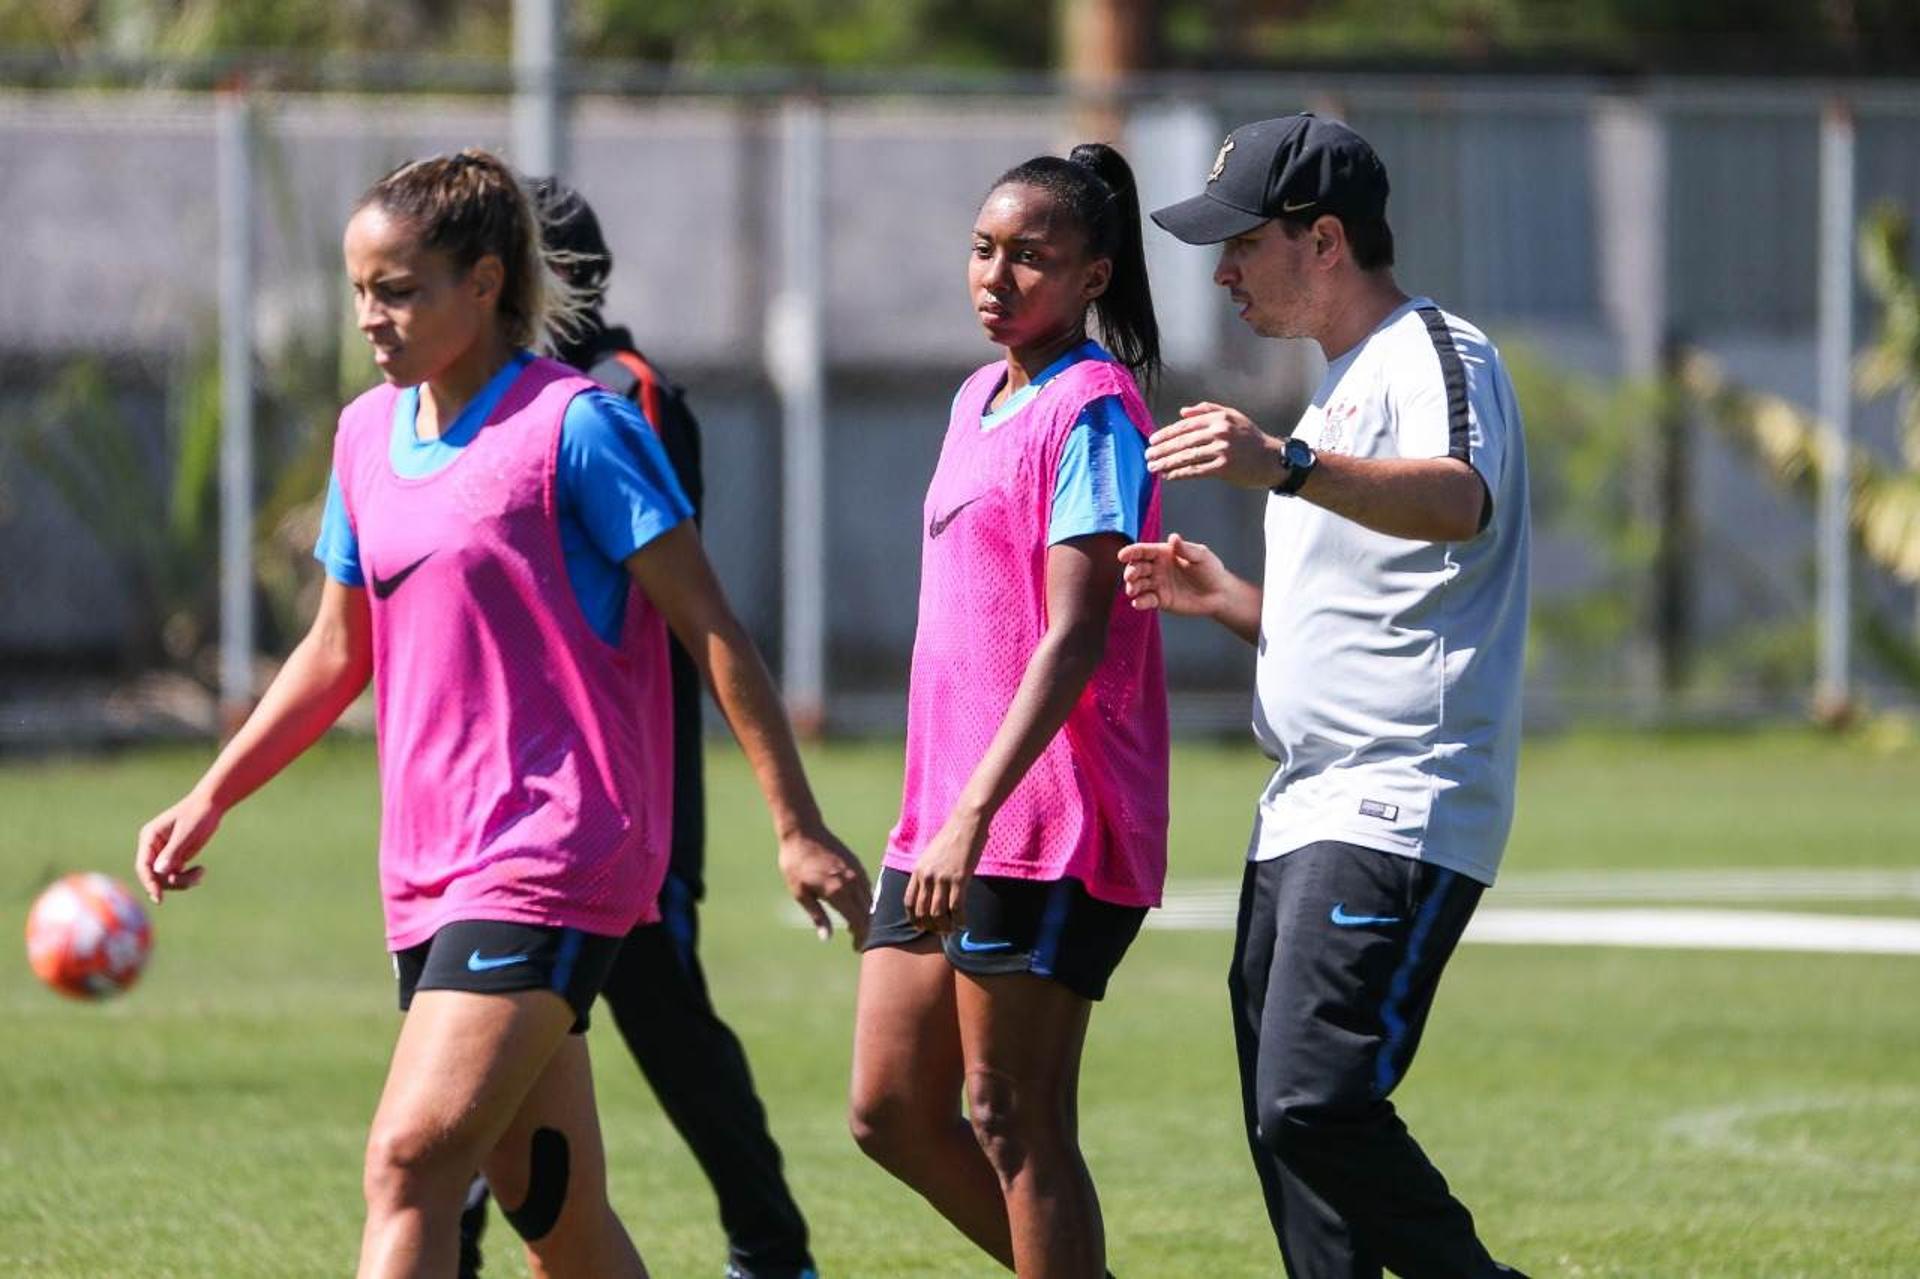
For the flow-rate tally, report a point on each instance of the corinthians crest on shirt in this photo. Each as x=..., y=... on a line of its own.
x=1336, y=427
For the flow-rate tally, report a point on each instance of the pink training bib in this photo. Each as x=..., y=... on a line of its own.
x=1094, y=805
x=525, y=764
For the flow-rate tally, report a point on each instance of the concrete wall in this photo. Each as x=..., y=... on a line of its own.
x=109, y=222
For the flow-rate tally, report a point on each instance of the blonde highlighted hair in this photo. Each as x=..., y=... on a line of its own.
x=471, y=204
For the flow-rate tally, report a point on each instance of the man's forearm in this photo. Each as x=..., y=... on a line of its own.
x=1420, y=499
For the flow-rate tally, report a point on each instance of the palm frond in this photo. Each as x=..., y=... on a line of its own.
x=1794, y=445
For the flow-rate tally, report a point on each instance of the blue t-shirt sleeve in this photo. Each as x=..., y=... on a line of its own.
x=1102, y=485
x=338, y=549
x=614, y=475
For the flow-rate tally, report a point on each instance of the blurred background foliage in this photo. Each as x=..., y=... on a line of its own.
x=1883, y=502
x=87, y=439
x=1584, y=432
x=1744, y=36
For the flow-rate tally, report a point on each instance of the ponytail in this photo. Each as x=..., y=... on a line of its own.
x=1094, y=185
x=470, y=204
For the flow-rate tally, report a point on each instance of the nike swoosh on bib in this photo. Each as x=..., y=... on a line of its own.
x=478, y=963
x=385, y=586
x=939, y=525
x=1344, y=920
x=972, y=947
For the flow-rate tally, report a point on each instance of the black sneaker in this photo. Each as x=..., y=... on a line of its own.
x=736, y=1271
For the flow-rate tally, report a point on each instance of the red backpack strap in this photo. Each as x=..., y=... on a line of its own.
x=647, y=386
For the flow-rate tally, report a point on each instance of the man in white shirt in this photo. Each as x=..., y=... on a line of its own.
x=1391, y=628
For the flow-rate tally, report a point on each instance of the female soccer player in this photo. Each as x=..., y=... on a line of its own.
x=520, y=537
x=1032, y=835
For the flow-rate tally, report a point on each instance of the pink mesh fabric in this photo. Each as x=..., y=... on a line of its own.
x=524, y=762
x=1094, y=805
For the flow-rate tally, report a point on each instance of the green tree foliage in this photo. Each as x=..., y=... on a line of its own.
x=1891, y=367
x=148, y=492
x=824, y=33
x=1579, y=463
x=150, y=497
x=819, y=33
x=1730, y=35
x=150, y=503
x=197, y=28
x=1883, y=497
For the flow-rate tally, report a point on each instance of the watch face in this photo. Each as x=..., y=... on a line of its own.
x=1300, y=459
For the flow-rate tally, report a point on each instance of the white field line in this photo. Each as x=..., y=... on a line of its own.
x=1668, y=887
x=1698, y=930
x=1510, y=918
x=1667, y=929
x=1732, y=885
x=1208, y=907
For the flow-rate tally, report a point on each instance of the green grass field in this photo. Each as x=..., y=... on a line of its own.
x=1604, y=1111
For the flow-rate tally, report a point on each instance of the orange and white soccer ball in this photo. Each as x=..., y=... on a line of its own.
x=88, y=936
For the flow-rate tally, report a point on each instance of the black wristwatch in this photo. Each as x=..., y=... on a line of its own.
x=1301, y=460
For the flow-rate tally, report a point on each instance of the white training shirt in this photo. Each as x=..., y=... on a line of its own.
x=1388, y=684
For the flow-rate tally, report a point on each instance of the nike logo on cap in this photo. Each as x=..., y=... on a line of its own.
x=385, y=586
x=1288, y=206
x=938, y=525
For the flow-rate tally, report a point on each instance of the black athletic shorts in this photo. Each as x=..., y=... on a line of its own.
x=495, y=958
x=1050, y=928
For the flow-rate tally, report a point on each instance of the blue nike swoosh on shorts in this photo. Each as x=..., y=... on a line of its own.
x=972, y=947
x=1344, y=920
x=476, y=963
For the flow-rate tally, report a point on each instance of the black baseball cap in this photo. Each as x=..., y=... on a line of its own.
x=568, y=224
x=1298, y=166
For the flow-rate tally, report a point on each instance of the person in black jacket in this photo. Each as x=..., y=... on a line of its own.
x=657, y=991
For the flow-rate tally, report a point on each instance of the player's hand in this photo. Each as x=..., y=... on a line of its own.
x=1214, y=440
x=1174, y=576
x=170, y=841
x=817, y=868
x=936, y=896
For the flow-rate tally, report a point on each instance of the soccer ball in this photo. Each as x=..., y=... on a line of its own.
x=88, y=936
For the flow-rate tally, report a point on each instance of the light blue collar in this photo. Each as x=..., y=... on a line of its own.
x=414, y=457
x=1087, y=350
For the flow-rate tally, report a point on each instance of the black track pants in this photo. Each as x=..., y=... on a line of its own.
x=1336, y=958
x=658, y=997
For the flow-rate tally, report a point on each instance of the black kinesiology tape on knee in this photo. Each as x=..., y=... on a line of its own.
x=546, y=1186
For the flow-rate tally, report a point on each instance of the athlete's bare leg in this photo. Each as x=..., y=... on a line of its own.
x=907, y=1075
x=1022, y=1037
x=549, y=1174
x=463, y=1067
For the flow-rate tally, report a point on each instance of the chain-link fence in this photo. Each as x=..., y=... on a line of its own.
x=1587, y=226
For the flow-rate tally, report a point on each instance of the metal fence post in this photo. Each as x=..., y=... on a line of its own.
x=796, y=360
x=1631, y=197
x=1171, y=146
x=234, y=187
x=539, y=101
x=1833, y=688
